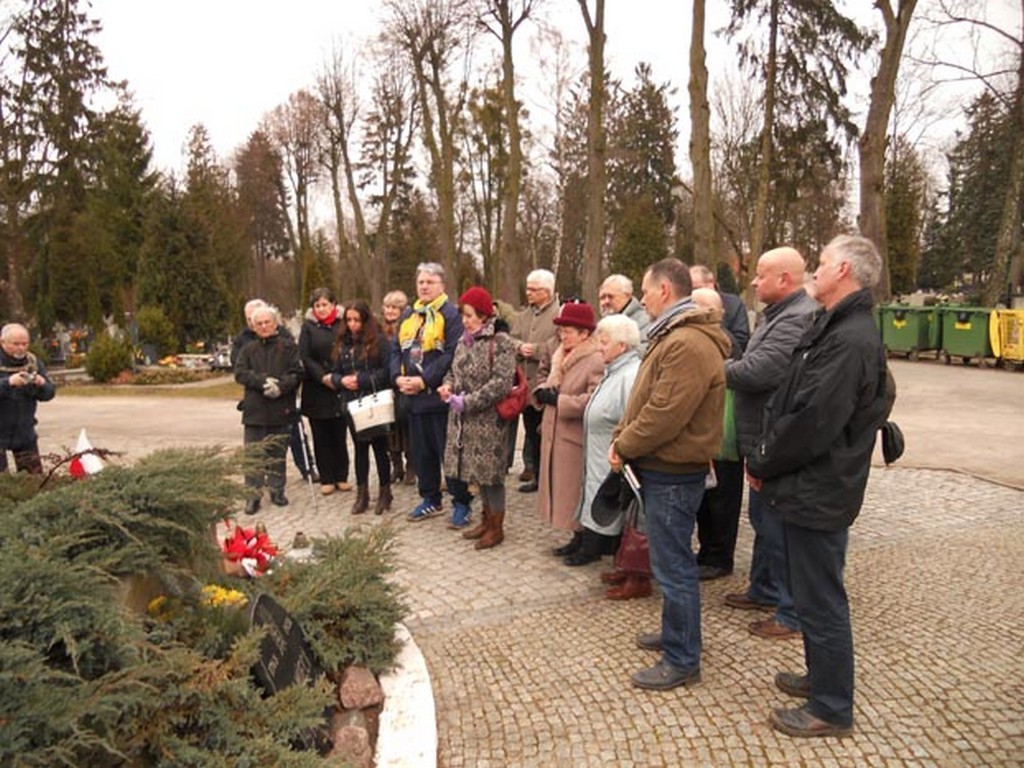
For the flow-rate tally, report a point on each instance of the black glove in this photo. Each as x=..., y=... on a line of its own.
x=547, y=396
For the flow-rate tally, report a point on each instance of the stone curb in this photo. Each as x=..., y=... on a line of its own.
x=407, y=734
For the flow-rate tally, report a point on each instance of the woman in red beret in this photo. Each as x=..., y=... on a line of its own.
x=575, y=371
x=482, y=374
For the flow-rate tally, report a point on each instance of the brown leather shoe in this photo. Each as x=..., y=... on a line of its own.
x=526, y=476
x=772, y=629
x=800, y=722
x=636, y=585
x=744, y=603
x=793, y=684
x=613, y=577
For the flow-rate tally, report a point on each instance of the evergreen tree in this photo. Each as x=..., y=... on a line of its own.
x=905, y=205
x=259, y=177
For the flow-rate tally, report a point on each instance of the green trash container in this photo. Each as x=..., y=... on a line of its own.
x=965, y=334
x=909, y=330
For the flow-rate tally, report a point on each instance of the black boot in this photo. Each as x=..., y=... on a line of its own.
x=589, y=551
x=278, y=499
x=571, y=548
x=252, y=506
x=362, y=502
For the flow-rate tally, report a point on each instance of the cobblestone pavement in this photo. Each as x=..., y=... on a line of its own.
x=530, y=666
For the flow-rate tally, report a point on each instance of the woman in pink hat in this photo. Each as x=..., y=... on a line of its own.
x=576, y=370
x=477, y=448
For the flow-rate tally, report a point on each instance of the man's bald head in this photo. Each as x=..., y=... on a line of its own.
x=780, y=273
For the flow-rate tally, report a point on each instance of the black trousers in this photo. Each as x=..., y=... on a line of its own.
x=273, y=451
x=330, y=446
x=380, y=455
x=718, y=518
x=531, y=438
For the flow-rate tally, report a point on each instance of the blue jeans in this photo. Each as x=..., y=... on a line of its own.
x=768, y=576
x=671, y=510
x=427, y=435
x=816, y=561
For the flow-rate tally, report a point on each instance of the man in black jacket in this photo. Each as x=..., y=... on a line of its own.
x=811, y=466
x=23, y=383
x=270, y=370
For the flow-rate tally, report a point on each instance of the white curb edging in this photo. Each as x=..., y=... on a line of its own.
x=407, y=733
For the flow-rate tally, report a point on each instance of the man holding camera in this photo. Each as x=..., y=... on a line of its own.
x=23, y=383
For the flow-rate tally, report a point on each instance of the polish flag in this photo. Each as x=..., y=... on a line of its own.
x=86, y=463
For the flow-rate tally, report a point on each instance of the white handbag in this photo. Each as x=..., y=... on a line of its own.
x=373, y=414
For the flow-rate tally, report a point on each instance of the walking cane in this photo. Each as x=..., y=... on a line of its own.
x=308, y=457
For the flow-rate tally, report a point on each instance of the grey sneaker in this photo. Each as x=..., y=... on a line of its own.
x=649, y=641
x=664, y=677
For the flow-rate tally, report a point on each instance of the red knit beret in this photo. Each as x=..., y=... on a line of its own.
x=577, y=314
x=479, y=299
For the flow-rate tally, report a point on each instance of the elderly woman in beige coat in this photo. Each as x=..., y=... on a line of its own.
x=576, y=370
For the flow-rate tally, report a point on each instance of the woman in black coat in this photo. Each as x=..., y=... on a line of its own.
x=363, y=355
x=322, y=403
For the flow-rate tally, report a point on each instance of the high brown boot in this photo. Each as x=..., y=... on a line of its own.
x=635, y=585
x=362, y=502
x=383, y=500
x=494, y=534
x=480, y=530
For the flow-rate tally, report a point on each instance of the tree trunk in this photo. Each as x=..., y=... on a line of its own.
x=1004, y=276
x=871, y=146
x=700, y=142
x=509, y=276
x=764, y=169
x=593, y=246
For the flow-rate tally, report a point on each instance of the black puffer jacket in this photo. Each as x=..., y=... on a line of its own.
x=18, y=404
x=278, y=357
x=372, y=372
x=814, y=454
x=316, y=340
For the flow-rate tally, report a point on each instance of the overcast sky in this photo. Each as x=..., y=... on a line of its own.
x=225, y=63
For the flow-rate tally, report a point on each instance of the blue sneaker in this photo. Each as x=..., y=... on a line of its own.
x=460, y=515
x=425, y=509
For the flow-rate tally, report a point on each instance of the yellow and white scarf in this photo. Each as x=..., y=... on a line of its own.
x=427, y=317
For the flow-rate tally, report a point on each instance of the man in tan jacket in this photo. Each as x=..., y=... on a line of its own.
x=670, y=431
x=536, y=338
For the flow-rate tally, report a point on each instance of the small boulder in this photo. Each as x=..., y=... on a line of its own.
x=359, y=689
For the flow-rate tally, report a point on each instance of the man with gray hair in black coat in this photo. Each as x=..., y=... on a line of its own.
x=811, y=465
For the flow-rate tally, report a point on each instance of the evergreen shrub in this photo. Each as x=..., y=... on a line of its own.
x=155, y=328
x=116, y=648
x=107, y=358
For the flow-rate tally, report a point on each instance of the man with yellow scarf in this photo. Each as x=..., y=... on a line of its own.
x=428, y=332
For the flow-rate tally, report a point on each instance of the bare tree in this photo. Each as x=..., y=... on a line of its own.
x=700, y=143
x=871, y=145
x=434, y=33
x=502, y=18
x=973, y=17
x=593, y=257
x=295, y=129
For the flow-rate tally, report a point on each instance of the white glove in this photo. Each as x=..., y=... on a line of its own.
x=271, y=390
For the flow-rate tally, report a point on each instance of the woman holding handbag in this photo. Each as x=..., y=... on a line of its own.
x=362, y=352
x=481, y=376
x=321, y=401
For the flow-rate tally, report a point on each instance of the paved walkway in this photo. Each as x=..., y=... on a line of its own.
x=530, y=665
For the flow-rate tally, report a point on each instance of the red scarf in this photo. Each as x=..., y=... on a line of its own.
x=329, y=320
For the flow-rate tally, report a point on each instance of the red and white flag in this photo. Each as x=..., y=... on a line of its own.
x=85, y=463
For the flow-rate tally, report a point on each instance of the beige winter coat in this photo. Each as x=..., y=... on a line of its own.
x=576, y=376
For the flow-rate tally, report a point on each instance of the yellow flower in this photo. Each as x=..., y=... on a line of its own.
x=217, y=596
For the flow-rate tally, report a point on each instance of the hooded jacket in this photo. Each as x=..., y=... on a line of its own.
x=673, y=420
